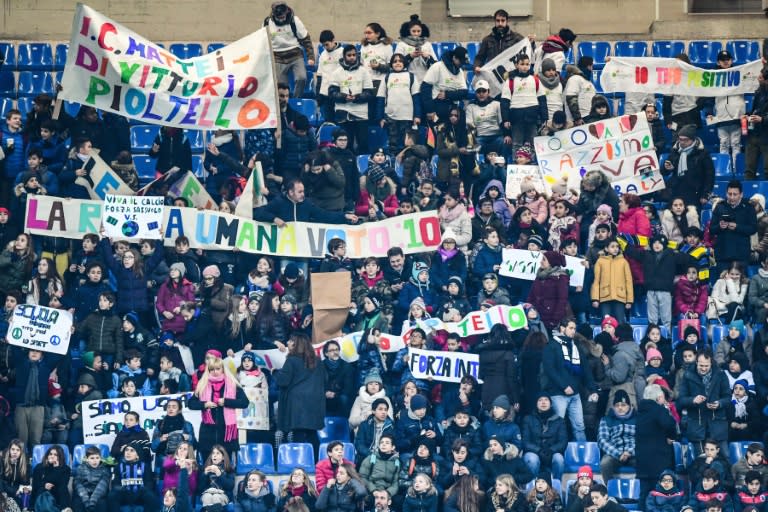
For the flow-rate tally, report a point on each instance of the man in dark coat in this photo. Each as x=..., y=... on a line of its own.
x=654, y=431
x=545, y=438
x=500, y=38
x=292, y=207
x=734, y=221
x=600, y=499
x=689, y=170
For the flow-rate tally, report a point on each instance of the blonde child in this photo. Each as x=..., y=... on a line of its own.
x=421, y=495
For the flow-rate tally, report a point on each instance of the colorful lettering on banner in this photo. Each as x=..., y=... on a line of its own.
x=102, y=180
x=516, y=174
x=620, y=147
x=190, y=188
x=210, y=230
x=103, y=419
x=114, y=69
x=520, y=263
x=496, y=71
x=40, y=328
x=656, y=75
x=443, y=366
x=641, y=184
x=133, y=217
x=272, y=359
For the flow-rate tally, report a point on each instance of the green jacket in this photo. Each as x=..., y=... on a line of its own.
x=378, y=473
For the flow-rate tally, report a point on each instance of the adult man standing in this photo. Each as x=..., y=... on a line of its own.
x=292, y=207
x=689, y=170
x=500, y=38
x=564, y=374
x=734, y=221
x=616, y=436
x=289, y=36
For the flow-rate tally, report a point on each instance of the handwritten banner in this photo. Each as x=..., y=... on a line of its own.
x=190, y=188
x=641, y=184
x=256, y=415
x=133, y=217
x=655, y=75
x=496, y=71
x=520, y=263
x=621, y=147
x=102, y=180
x=272, y=359
x=516, y=174
x=112, y=68
x=210, y=230
x=40, y=328
x=443, y=366
x=576, y=270
x=103, y=419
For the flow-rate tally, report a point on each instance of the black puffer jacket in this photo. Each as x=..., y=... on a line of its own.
x=695, y=183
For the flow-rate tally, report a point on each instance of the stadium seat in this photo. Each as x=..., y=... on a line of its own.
x=743, y=51
x=718, y=188
x=336, y=429
x=598, y=50
x=740, y=164
x=8, y=56
x=596, y=80
x=186, y=50
x=569, y=57
x=718, y=333
x=212, y=47
x=6, y=104
x=630, y=49
x=377, y=138
x=196, y=140
x=704, y=53
x=7, y=84
x=706, y=215
x=32, y=83
x=325, y=133
x=362, y=163
x=142, y=137
x=145, y=167
x=295, y=455
x=258, y=456
x=679, y=462
x=667, y=49
x=472, y=48
x=38, y=453
x=582, y=453
x=722, y=163
x=763, y=186
x=349, y=451
x=624, y=490
x=197, y=166
x=737, y=450
x=24, y=105
x=78, y=454
x=71, y=108
x=34, y=57
x=638, y=331
x=306, y=107
x=60, y=56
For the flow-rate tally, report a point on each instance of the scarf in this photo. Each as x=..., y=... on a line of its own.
x=451, y=214
x=763, y=273
x=445, y=254
x=570, y=354
x=682, y=166
x=298, y=491
x=222, y=139
x=82, y=157
x=549, y=83
x=32, y=391
x=416, y=42
x=213, y=391
x=555, y=272
x=172, y=424
x=707, y=380
x=349, y=67
x=740, y=406
x=331, y=364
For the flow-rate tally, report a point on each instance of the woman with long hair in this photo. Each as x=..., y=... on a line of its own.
x=299, y=485
x=506, y=496
x=45, y=284
x=183, y=457
x=239, y=325
x=52, y=476
x=375, y=52
x=344, y=493
x=15, y=474
x=270, y=323
x=171, y=295
x=217, y=472
x=465, y=495
x=414, y=45
x=16, y=262
x=301, y=382
x=218, y=395
x=542, y=494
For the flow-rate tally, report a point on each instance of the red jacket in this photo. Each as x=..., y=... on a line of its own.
x=324, y=472
x=690, y=297
x=635, y=222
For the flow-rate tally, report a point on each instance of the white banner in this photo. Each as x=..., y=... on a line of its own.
x=641, y=184
x=576, y=269
x=443, y=366
x=256, y=415
x=270, y=359
x=656, y=75
x=496, y=71
x=113, y=68
x=133, y=217
x=253, y=193
x=103, y=419
x=40, y=328
x=516, y=174
x=102, y=180
x=190, y=188
x=520, y=263
x=621, y=147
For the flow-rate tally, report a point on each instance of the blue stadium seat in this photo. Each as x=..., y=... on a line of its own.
x=8, y=56
x=362, y=163
x=71, y=108
x=638, y=331
x=38, y=453
x=743, y=51
x=598, y=50
x=6, y=104
x=667, y=49
x=740, y=164
x=258, y=456
x=196, y=140
x=722, y=163
x=706, y=215
x=186, y=50
x=625, y=491
x=596, y=80
x=679, y=462
x=336, y=429
x=295, y=455
x=763, y=187
x=24, y=105
x=444, y=46
x=377, y=138
x=212, y=47
x=306, y=107
x=704, y=53
x=710, y=138
x=197, y=166
x=78, y=454
x=142, y=137
x=719, y=187
x=145, y=167
x=737, y=450
x=472, y=48
x=630, y=49
x=34, y=57
x=32, y=83
x=349, y=451
x=619, y=111
x=7, y=84
x=569, y=57
x=60, y=56
x=751, y=188
x=718, y=333
x=582, y=453
x=325, y=133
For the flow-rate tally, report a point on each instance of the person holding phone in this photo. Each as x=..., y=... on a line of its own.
x=734, y=221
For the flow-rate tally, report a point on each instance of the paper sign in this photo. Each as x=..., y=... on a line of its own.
x=103, y=419
x=496, y=71
x=256, y=415
x=576, y=269
x=520, y=263
x=112, y=68
x=40, y=328
x=516, y=174
x=443, y=366
x=133, y=217
x=641, y=184
x=270, y=359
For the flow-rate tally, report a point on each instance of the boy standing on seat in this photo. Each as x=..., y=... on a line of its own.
x=727, y=114
x=523, y=104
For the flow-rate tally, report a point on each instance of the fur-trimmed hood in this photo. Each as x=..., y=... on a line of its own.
x=510, y=452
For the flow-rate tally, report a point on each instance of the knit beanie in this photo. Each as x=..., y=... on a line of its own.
x=180, y=267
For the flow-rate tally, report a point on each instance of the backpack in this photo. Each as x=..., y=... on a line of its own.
x=512, y=84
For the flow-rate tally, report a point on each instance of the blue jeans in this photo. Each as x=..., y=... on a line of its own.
x=572, y=405
x=534, y=464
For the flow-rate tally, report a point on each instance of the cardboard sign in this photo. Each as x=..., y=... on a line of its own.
x=576, y=270
x=443, y=366
x=656, y=75
x=133, y=217
x=516, y=174
x=40, y=328
x=520, y=263
x=114, y=69
x=331, y=297
x=190, y=188
x=103, y=419
x=256, y=415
